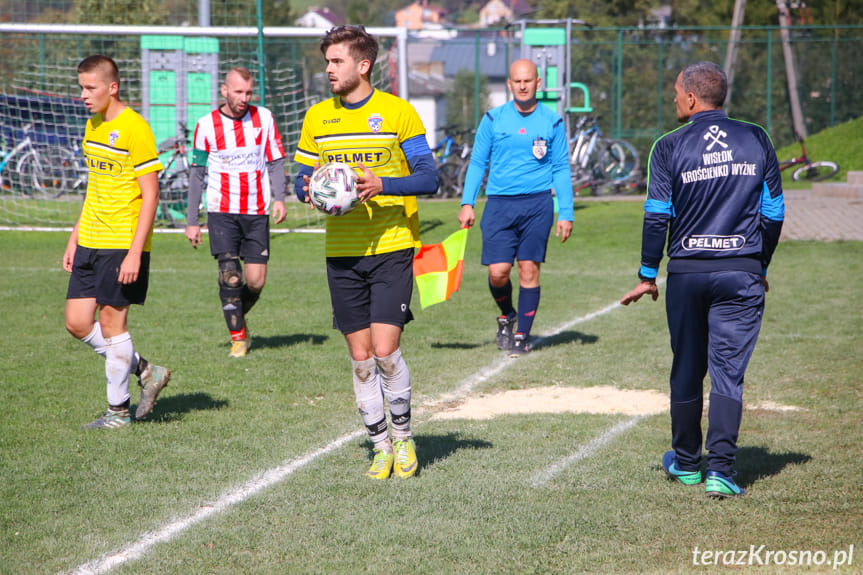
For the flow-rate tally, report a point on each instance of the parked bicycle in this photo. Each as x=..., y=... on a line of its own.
x=604, y=166
x=452, y=156
x=27, y=169
x=73, y=171
x=809, y=171
x=174, y=179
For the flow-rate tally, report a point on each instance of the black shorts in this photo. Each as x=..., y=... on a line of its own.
x=243, y=235
x=371, y=289
x=95, y=273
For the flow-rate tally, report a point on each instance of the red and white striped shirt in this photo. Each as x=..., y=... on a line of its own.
x=237, y=155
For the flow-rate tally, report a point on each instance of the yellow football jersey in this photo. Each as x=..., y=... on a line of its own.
x=117, y=152
x=370, y=135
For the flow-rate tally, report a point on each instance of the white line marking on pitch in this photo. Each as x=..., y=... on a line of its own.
x=266, y=479
x=584, y=451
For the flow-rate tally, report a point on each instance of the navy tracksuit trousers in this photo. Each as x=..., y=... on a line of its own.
x=713, y=319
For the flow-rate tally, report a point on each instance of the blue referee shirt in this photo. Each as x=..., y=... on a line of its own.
x=524, y=154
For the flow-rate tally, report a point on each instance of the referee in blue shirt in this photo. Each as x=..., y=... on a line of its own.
x=523, y=146
x=714, y=191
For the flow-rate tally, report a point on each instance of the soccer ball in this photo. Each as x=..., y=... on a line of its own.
x=333, y=189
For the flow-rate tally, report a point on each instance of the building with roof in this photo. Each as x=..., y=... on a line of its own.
x=420, y=14
x=320, y=18
x=497, y=12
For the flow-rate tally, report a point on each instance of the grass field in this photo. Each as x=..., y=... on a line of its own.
x=256, y=465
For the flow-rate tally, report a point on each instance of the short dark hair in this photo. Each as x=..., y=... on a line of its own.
x=707, y=81
x=101, y=63
x=361, y=44
x=241, y=71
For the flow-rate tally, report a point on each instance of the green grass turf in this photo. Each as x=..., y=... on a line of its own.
x=68, y=496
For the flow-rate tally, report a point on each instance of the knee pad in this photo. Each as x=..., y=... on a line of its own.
x=230, y=271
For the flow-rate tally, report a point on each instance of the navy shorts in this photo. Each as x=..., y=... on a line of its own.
x=95, y=273
x=371, y=289
x=243, y=235
x=516, y=228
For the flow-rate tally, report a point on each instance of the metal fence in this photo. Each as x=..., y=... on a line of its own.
x=630, y=72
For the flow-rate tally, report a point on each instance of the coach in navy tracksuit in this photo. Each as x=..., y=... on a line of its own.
x=714, y=189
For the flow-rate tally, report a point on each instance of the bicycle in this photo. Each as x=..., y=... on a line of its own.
x=809, y=171
x=598, y=163
x=27, y=171
x=452, y=158
x=174, y=179
x=73, y=171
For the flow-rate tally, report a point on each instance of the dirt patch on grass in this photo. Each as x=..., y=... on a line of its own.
x=599, y=399
x=603, y=399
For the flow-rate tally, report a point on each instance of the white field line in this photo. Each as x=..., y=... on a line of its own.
x=585, y=451
x=264, y=480
x=136, y=549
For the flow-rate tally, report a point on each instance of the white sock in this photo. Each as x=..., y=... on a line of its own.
x=370, y=401
x=119, y=352
x=396, y=383
x=95, y=339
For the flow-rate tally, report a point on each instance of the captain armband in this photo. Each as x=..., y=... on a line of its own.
x=200, y=157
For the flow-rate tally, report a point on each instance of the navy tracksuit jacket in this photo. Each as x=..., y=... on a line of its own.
x=714, y=192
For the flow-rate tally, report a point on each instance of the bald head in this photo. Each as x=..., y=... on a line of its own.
x=523, y=82
x=523, y=67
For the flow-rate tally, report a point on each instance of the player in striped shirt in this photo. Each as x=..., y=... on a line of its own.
x=108, y=253
x=238, y=155
x=370, y=250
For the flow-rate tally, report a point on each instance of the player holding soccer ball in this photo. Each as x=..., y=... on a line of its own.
x=238, y=155
x=370, y=250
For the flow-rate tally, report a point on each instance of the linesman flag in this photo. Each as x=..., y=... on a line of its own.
x=438, y=268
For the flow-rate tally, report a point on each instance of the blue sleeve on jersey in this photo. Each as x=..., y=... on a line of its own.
x=659, y=207
x=479, y=159
x=772, y=208
x=561, y=173
x=423, y=179
x=299, y=182
x=415, y=147
x=653, y=234
x=649, y=273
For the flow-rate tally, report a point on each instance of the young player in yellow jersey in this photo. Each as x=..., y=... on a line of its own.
x=370, y=250
x=108, y=253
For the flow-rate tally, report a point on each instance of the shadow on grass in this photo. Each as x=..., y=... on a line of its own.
x=428, y=225
x=456, y=345
x=173, y=407
x=434, y=448
x=564, y=338
x=754, y=463
x=274, y=341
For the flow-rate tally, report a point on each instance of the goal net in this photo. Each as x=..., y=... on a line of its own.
x=43, y=176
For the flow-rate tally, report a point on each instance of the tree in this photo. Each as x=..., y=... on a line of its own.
x=460, y=100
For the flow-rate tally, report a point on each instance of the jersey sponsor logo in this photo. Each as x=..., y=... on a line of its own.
x=332, y=121
x=369, y=157
x=104, y=166
x=540, y=148
x=713, y=243
x=714, y=135
x=239, y=161
x=376, y=123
